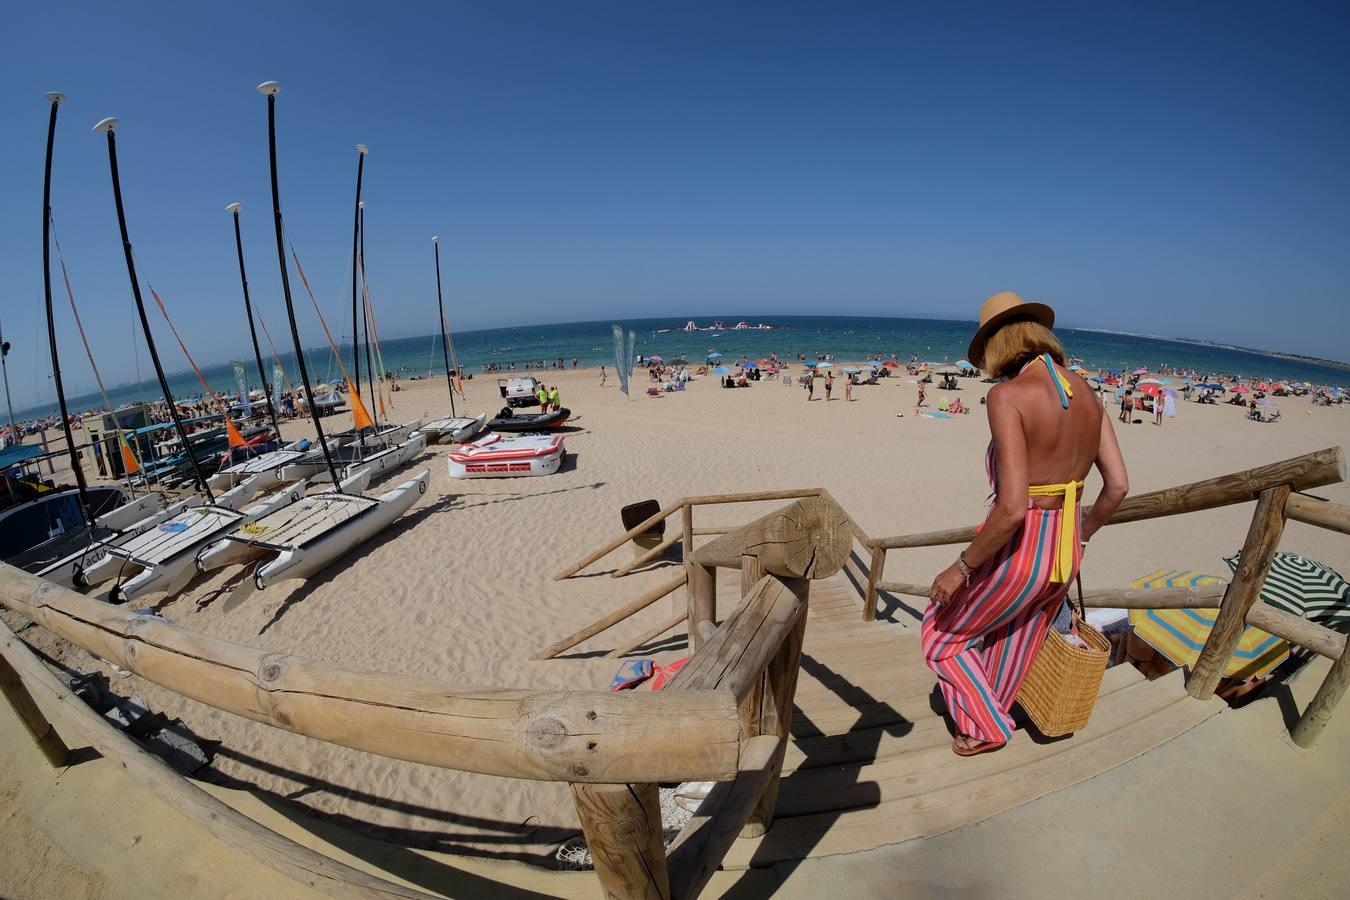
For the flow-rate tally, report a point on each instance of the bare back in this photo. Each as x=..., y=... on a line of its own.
x=1061, y=444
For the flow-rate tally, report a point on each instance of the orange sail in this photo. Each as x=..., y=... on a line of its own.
x=360, y=417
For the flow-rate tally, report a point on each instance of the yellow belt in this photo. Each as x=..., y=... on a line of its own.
x=1063, y=563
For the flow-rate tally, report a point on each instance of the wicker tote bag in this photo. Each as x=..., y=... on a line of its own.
x=1061, y=685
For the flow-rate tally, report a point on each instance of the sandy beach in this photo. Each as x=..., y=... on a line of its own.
x=461, y=588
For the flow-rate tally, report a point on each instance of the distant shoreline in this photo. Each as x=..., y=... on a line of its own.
x=1274, y=354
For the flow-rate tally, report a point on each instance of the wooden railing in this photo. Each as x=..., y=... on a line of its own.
x=724, y=717
x=1273, y=488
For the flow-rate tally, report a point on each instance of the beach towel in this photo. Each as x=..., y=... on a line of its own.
x=662, y=675
x=631, y=673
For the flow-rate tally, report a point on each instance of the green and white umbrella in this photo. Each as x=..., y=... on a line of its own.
x=1305, y=588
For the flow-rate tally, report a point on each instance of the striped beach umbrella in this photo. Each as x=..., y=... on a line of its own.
x=1305, y=587
x=1179, y=634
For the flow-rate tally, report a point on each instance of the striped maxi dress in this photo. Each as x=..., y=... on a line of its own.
x=982, y=642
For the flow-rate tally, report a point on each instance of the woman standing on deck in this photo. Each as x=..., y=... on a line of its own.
x=992, y=607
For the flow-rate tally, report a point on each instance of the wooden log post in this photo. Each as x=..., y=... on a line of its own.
x=622, y=824
x=687, y=531
x=26, y=708
x=1263, y=536
x=773, y=709
x=875, y=568
x=1322, y=513
x=702, y=598
x=1318, y=713
x=810, y=538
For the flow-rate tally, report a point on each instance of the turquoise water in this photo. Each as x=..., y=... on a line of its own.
x=847, y=338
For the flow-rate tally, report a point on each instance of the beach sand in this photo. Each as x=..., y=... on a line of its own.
x=461, y=589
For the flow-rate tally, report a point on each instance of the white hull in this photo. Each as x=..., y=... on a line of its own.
x=162, y=559
x=127, y=515
x=321, y=529
x=268, y=465
x=303, y=561
x=455, y=429
x=496, y=456
x=235, y=549
x=314, y=467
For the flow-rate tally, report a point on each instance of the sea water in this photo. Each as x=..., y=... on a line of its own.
x=846, y=339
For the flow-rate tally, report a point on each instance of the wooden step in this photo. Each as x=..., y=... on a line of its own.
x=930, y=790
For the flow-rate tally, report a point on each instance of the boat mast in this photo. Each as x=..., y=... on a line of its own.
x=4, y=367
x=233, y=209
x=365, y=319
x=109, y=127
x=440, y=306
x=356, y=236
x=271, y=89
x=75, y=465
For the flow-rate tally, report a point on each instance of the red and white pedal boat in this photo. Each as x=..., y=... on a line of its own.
x=507, y=456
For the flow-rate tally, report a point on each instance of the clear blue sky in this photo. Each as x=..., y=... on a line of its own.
x=1149, y=168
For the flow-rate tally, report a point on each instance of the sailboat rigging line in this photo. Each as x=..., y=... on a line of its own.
x=275, y=355
x=75, y=464
x=109, y=126
x=445, y=343
x=123, y=446
x=356, y=235
x=252, y=329
x=270, y=88
x=322, y=321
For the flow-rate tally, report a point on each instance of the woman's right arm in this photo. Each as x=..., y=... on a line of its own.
x=1115, y=481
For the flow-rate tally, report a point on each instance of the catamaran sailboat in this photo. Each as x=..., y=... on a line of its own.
x=459, y=429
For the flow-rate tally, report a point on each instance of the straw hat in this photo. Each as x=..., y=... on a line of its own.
x=999, y=309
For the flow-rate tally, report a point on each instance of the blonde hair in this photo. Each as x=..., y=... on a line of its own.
x=1016, y=343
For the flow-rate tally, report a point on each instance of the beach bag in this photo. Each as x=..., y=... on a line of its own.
x=1061, y=686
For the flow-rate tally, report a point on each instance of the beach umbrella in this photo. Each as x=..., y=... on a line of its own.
x=1098, y=379
x=763, y=362
x=1242, y=389
x=1179, y=634
x=1266, y=401
x=655, y=358
x=749, y=365
x=1143, y=371
x=1144, y=381
x=1212, y=387
x=713, y=354
x=891, y=364
x=810, y=365
x=825, y=365
x=721, y=370
x=1152, y=390
x=874, y=363
x=1305, y=587
x=850, y=370
x=967, y=364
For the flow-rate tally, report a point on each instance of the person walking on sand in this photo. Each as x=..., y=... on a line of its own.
x=829, y=385
x=992, y=607
x=810, y=385
x=848, y=390
x=922, y=395
x=1158, y=409
x=602, y=376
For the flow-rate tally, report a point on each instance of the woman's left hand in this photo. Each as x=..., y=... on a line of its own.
x=947, y=583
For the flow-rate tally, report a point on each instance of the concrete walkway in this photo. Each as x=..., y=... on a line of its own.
x=1230, y=808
